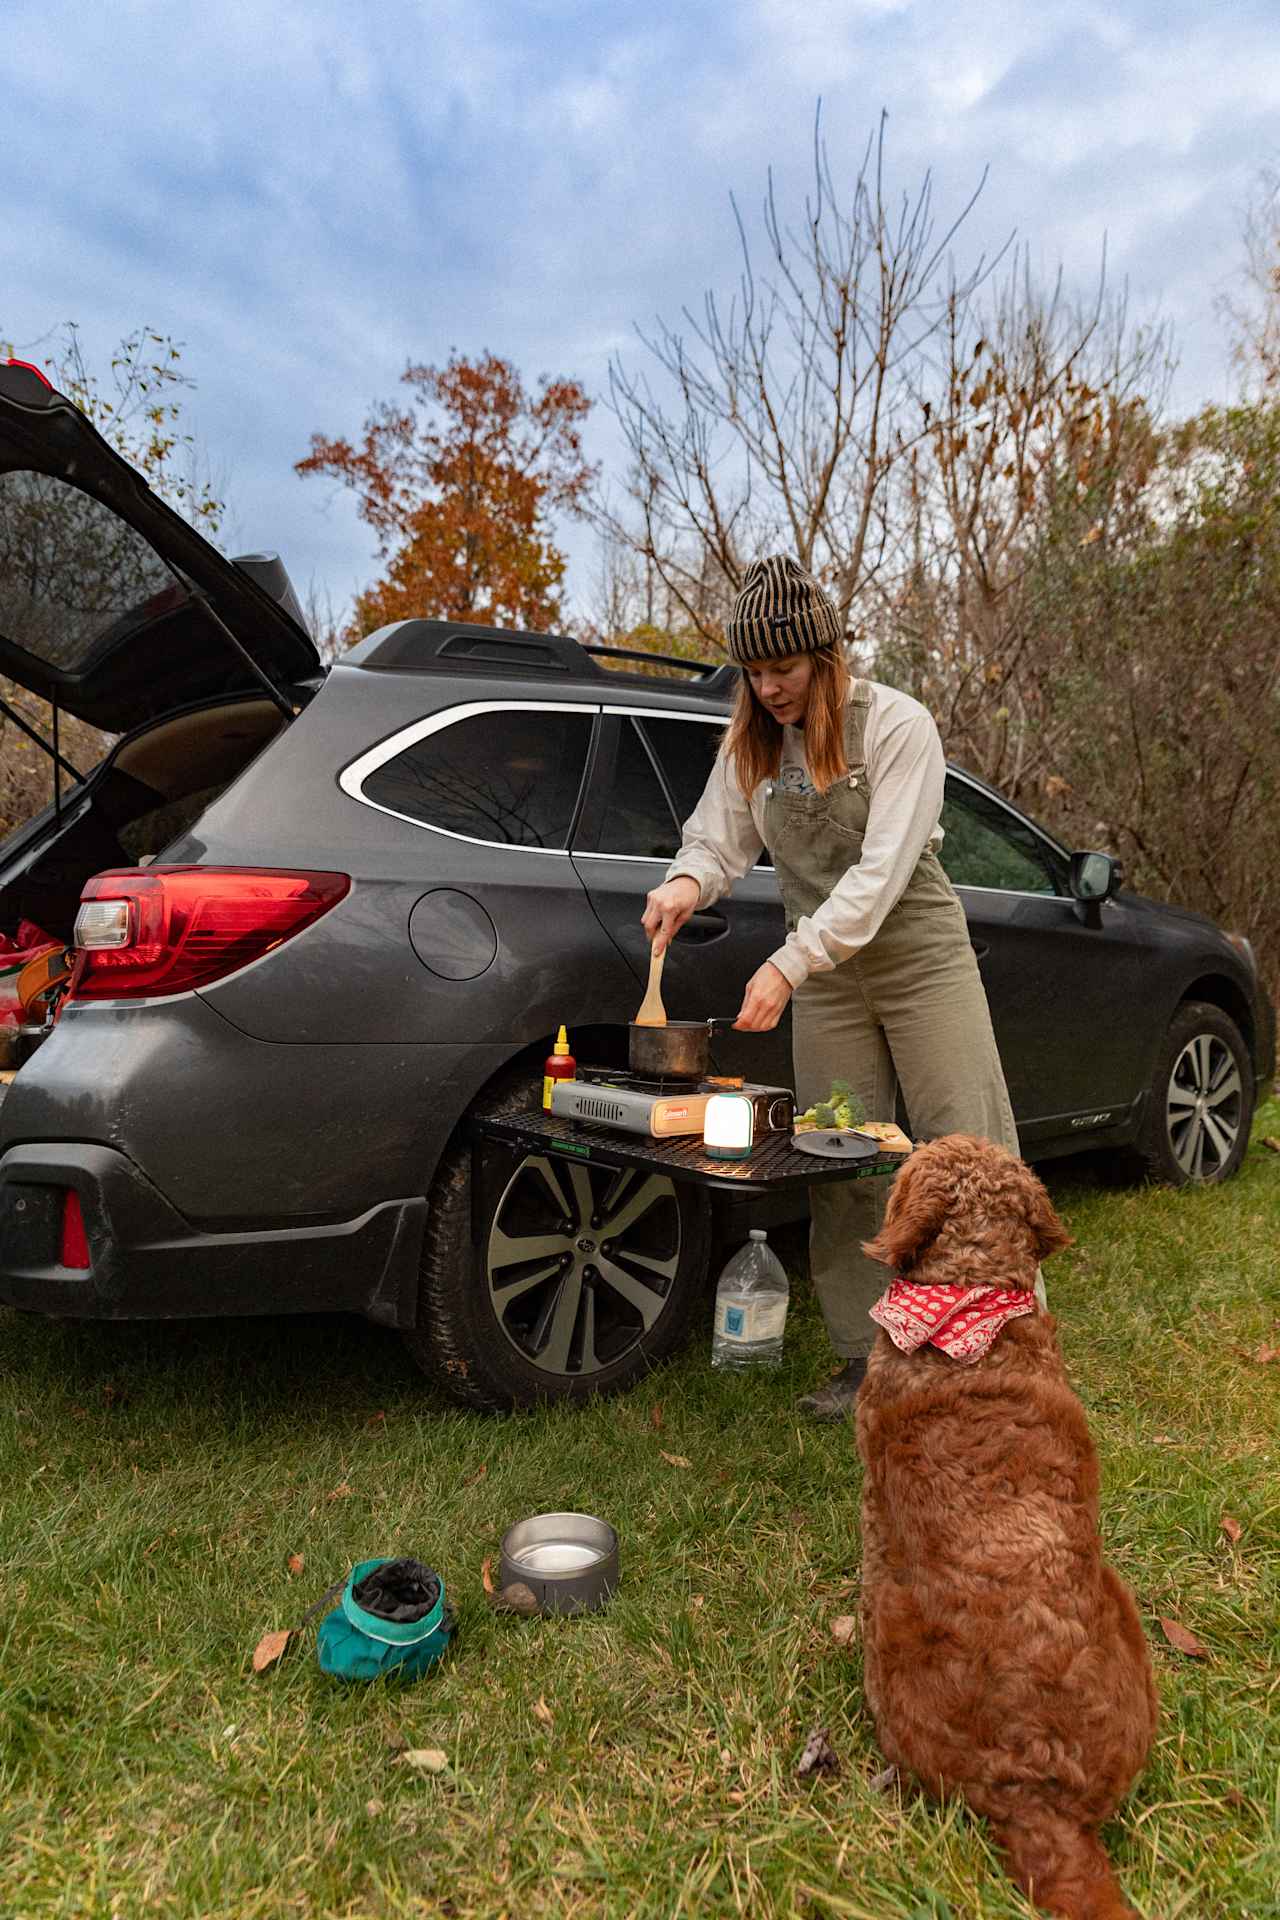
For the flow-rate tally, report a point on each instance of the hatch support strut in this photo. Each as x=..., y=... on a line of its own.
x=202, y=601
x=10, y=713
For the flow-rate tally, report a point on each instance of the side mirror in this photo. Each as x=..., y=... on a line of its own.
x=1094, y=877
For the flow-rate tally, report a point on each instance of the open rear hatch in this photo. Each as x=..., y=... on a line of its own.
x=111, y=606
x=115, y=613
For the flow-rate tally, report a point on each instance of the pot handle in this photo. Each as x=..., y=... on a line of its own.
x=720, y=1020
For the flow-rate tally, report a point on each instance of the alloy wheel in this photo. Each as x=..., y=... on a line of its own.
x=1204, y=1106
x=581, y=1261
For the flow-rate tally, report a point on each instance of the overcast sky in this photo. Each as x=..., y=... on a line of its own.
x=312, y=192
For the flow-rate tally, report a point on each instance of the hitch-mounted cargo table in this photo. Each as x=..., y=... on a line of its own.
x=772, y=1166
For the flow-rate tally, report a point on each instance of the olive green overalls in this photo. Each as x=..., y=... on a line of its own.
x=909, y=1008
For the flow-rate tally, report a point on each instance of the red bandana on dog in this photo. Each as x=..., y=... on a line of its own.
x=962, y=1321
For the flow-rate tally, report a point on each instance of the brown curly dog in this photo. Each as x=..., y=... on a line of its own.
x=1004, y=1660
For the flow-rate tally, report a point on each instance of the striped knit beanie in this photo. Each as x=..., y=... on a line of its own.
x=780, y=610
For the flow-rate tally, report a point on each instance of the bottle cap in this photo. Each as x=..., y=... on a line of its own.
x=758, y=1233
x=562, y=1042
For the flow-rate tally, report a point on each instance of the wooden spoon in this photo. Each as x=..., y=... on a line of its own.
x=652, y=1012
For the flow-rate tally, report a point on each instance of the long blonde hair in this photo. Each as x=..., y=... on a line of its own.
x=753, y=741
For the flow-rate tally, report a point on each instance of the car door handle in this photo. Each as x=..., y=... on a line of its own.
x=704, y=927
x=980, y=947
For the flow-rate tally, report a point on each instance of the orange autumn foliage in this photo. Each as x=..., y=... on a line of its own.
x=458, y=485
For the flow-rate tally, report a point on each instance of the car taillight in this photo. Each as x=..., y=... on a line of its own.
x=158, y=930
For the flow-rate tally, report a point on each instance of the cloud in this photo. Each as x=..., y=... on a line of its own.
x=310, y=197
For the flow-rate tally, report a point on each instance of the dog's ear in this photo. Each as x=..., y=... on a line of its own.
x=922, y=1193
x=1047, y=1231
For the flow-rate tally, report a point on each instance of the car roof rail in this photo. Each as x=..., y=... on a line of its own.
x=409, y=646
x=708, y=673
x=416, y=646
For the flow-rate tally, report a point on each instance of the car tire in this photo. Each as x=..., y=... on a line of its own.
x=1200, y=1103
x=584, y=1308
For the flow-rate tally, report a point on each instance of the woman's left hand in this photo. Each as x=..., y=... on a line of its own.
x=765, y=1000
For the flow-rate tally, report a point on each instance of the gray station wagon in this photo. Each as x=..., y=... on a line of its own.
x=322, y=918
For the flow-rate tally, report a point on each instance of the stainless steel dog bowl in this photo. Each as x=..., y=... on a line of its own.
x=569, y=1561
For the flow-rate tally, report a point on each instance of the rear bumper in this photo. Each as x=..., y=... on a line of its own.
x=148, y=1262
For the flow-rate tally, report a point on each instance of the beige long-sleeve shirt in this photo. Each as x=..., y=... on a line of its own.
x=906, y=771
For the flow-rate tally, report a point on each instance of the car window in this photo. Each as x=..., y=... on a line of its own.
x=507, y=776
x=686, y=751
x=987, y=846
x=638, y=820
x=73, y=576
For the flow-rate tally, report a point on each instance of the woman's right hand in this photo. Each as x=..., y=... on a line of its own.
x=668, y=907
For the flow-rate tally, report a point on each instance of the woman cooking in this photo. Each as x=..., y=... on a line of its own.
x=842, y=780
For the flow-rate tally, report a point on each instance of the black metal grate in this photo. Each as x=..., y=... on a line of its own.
x=773, y=1163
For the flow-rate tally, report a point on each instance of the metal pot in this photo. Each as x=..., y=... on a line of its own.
x=680, y=1050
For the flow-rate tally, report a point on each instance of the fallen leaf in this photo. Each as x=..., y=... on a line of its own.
x=819, y=1755
x=737, y=1796
x=486, y=1574
x=396, y=1742
x=1183, y=1639
x=1164, y=1440
x=882, y=1781
x=674, y=1459
x=373, y=1808
x=1234, y=1797
x=515, y=1598
x=479, y=1474
x=341, y=1492
x=1270, y=1140
x=378, y=1419
x=1264, y=1355
x=425, y=1759
x=543, y=1712
x=698, y=1601
x=1231, y=1527
x=270, y=1649
x=297, y=1562
x=655, y=1416
x=844, y=1629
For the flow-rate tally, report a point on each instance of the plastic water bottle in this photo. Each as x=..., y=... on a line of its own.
x=751, y=1307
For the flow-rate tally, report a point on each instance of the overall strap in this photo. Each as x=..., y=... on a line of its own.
x=856, y=708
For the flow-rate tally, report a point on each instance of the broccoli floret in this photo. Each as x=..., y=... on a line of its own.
x=846, y=1100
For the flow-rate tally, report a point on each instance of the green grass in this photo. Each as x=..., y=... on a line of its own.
x=156, y=1481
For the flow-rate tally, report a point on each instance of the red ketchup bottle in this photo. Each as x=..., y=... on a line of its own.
x=558, y=1065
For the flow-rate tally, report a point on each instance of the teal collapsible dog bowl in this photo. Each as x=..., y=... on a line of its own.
x=354, y=1644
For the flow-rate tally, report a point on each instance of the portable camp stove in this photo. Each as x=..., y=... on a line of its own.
x=662, y=1108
